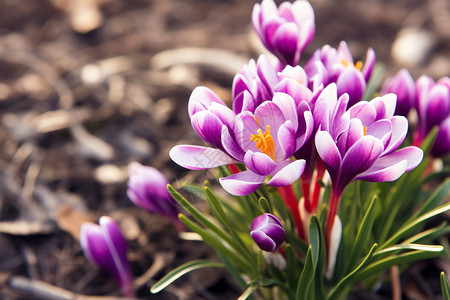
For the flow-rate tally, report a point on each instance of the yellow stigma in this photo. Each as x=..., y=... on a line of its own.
x=264, y=142
x=365, y=130
x=358, y=64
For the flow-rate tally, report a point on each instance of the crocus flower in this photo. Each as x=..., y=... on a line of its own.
x=360, y=143
x=441, y=146
x=105, y=247
x=432, y=105
x=147, y=188
x=268, y=232
x=253, y=85
x=402, y=84
x=285, y=31
x=328, y=65
x=264, y=141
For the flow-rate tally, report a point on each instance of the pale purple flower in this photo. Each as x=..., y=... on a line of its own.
x=285, y=31
x=328, y=65
x=362, y=142
x=253, y=85
x=106, y=247
x=268, y=232
x=402, y=84
x=432, y=105
x=147, y=188
x=208, y=114
x=264, y=141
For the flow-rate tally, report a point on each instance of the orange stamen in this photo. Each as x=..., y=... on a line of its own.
x=264, y=142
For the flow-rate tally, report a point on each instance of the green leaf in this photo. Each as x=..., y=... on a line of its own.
x=390, y=261
x=314, y=238
x=421, y=247
x=250, y=289
x=215, y=242
x=445, y=287
x=363, y=236
x=434, y=200
x=292, y=266
x=182, y=270
x=413, y=223
x=265, y=205
x=335, y=292
x=306, y=278
x=198, y=216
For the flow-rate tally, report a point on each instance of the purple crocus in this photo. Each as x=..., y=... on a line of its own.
x=433, y=107
x=328, y=65
x=402, y=84
x=264, y=141
x=284, y=31
x=106, y=247
x=147, y=188
x=360, y=143
x=268, y=232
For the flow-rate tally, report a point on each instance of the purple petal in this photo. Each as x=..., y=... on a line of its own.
x=199, y=158
x=242, y=183
x=382, y=130
x=285, y=41
x=359, y=158
x=348, y=138
x=286, y=140
x=94, y=245
x=287, y=106
x=259, y=163
x=352, y=82
x=384, y=106
x=399, y=131
x=324, y=106
x=244, y=126
x=203, y=96
x=364, y=111
x=402, y=84
x=306, y=124
x=266, y=73
x=208, y=127
x=369, y=64
x=328, y=152
x=442, y=144
x=287, y=173
x=392, y=166
x=299, y=92
x=263, y=240
x=230, y=145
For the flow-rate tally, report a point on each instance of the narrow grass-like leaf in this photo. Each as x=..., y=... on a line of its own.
x=445, y=287
x=405, y=229
x=421, y=247
x=215, y=242
x=292, y=266
x=236, y=241
x=250, y=289
x=434, y=200
x=314, y=238
x=197, y=215
x=429, y=234
x=383, y=264
x=336, y=291
x=363, y=236
x=306, y=278
x=182, y=270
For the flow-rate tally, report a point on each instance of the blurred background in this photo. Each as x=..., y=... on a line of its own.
x=88, y=86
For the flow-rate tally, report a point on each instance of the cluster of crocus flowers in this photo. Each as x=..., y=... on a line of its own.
x=104, y=246
x=431, y=101
x=288, y=123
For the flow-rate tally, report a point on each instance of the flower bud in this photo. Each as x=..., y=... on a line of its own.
x=147, y=188
x=267, y=231
x=105, y=247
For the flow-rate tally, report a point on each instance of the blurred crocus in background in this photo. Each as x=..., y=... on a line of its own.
x=433, y=109
x=402, y=84
x=106, y=247
x=147, y=188
x=285, y=31
x=328, y=65
x=268, y=232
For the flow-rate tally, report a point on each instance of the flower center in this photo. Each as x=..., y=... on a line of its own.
x=264, y=142
x=358, y=64
x=365, y=130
